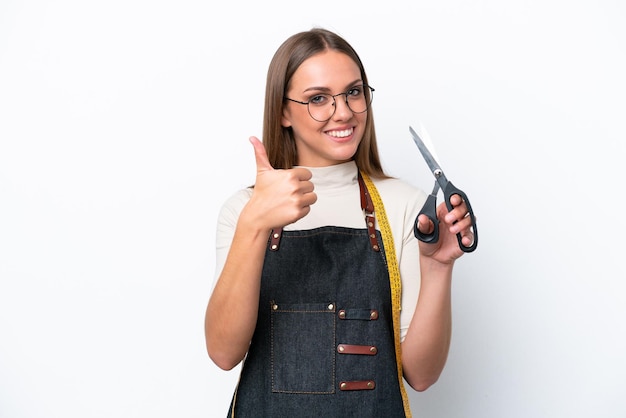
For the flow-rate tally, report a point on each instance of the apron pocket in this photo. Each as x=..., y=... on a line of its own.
x=303, y=347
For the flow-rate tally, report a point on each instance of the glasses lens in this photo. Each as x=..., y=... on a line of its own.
x=359, y=98
x=322, y=107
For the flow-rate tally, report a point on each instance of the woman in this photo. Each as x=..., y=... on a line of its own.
x=308, y=288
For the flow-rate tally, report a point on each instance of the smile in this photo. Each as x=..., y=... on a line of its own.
x=341, y=134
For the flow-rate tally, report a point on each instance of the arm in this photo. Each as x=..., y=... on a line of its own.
x=280, y=197
x=426, y=345
x=231, y=313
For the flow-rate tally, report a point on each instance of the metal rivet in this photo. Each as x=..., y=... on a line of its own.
x=372, y=236
x=370, y=224
x=274, y=307
x=373, y=350
x=341, y=348
x=276, y=235
x=331, y=307
x=343, y=385
x=370, y=384
x=374, y=315
x=274, y=246
x=375, y=247
x=342, y=314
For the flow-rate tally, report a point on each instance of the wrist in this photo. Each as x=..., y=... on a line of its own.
x=431, y=267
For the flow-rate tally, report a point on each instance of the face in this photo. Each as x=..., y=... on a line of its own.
x=335, y=141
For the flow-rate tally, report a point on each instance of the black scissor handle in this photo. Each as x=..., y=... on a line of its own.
x=430, y=210
x=447, y=193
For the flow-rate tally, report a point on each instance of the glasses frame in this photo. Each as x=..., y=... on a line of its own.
x=333, y=96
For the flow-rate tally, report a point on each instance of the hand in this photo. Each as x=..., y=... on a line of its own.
x=279, y=197
x=446, y=250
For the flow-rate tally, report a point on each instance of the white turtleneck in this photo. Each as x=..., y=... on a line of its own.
x=338, y=204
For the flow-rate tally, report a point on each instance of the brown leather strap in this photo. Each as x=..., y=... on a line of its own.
x=368, y=209
x=357, y=385
x=364, y=350
x=366, y=200
x=275, y=238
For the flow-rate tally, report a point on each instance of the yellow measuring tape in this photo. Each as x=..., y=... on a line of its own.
x=394, y=280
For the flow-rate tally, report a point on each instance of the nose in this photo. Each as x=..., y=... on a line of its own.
x=342, y=110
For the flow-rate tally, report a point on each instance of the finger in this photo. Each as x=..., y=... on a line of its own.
x=303, y=174
x=467, y=238
x=461, y=225
x=425, y=225
x=458, y=212
x=456, y=200
x=260, y=155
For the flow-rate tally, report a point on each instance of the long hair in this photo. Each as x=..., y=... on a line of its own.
x=278, y=140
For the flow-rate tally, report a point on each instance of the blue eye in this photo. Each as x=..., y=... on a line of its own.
x=319, y=100
x=355, y=91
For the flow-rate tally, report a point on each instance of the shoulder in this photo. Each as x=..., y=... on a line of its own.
x=395, y=192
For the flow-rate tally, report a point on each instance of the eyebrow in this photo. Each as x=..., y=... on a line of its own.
x=326, y=89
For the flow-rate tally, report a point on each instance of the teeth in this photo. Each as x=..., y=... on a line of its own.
x=341, y=134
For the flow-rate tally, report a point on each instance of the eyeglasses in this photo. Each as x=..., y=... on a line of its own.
x=322, y=107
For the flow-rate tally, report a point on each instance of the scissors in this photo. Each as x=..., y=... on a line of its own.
x=430, y=207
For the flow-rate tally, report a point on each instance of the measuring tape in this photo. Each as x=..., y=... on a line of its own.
x=394, y=280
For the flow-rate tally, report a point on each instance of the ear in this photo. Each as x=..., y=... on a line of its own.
x=285, y=121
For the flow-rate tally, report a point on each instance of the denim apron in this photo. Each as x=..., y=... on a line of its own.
x=324, y=343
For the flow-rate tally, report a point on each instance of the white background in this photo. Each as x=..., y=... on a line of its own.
x=124, y=126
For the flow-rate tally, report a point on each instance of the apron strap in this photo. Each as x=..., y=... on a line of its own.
x=394, y=280
x=275, y=238
x=368, y=210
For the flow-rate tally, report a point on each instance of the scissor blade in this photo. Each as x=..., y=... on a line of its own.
x=428, y=156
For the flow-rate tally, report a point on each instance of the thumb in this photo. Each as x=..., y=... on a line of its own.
x=262, y=162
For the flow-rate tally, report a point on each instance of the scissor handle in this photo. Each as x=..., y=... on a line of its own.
x=430, y=210
x=447, y=193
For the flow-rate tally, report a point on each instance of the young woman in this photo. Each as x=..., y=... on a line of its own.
x=322, y=287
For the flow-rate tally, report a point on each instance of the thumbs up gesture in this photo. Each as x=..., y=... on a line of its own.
x=280, y=197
